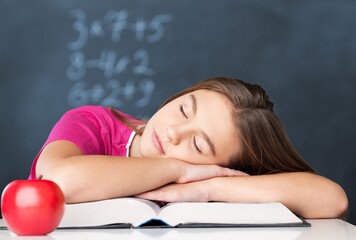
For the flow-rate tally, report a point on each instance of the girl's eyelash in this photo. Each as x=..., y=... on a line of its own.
x=196, y=146
x=182, y=111
x=185, y=115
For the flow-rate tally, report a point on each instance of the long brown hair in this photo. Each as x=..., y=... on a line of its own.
x=266, y=148
x=135, y=124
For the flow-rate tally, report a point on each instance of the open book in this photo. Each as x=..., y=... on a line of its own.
x=134, y=212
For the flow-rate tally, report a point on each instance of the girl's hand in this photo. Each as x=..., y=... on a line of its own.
x=193, y=172
x=187, y=192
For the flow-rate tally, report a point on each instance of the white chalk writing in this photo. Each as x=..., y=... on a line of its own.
x=124, y=76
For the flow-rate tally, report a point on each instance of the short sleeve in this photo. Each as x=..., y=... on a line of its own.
x=82, y=128
x=93, y=129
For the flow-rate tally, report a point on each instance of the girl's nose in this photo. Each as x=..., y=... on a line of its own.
x=172, y=135
x=175, y=133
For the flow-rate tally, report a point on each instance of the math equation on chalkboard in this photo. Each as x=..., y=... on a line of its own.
x=102, y=68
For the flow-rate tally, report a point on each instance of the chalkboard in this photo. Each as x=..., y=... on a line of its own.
x=133, y=54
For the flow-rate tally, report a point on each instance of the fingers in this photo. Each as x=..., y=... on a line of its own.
x=227, y=172
x=160, y=194
x=146, y=195
x=194, y=173
x=189, y=192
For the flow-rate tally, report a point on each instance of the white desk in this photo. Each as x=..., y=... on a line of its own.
x=332, y=229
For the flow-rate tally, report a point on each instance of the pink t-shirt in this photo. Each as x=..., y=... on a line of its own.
x=94, y=129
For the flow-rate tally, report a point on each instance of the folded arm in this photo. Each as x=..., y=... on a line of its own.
x=95, y=177
x=307, y=195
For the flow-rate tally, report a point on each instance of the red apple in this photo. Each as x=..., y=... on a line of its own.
x=32, y=207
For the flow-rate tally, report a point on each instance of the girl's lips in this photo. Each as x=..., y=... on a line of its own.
x=157, y=142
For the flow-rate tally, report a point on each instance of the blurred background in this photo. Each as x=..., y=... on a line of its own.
x=133, y=54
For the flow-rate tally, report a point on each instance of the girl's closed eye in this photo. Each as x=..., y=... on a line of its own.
x=202, y=145
x=181, y=108
x=197, y=145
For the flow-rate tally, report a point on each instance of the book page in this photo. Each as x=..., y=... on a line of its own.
x=228, y=213
x=121, y=210
x=2, y=224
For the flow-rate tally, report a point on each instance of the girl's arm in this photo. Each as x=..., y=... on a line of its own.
x=307, y=195
x=95, y=177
